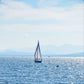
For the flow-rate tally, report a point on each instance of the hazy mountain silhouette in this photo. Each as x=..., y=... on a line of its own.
x=49, y=50
x=64, y=49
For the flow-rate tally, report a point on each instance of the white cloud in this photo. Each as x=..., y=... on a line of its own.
x=26, y=35
x=15, y=9
x=70, y=20
x=3, y=48
x=42, y=28
x=47, y=3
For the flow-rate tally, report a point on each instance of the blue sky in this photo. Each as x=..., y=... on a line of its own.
x=52, y=22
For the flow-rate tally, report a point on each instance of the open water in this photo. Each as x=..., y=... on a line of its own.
x=23, y=70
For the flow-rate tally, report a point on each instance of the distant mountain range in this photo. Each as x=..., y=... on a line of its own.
x=64, y=49
x=13, y=53
x=49, y=50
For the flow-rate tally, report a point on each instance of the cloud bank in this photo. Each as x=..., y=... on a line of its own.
x=20, y=22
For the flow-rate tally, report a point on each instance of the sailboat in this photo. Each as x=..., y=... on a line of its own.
x=37, y=55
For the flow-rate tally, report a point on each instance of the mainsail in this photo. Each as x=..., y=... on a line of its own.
x=38, y=54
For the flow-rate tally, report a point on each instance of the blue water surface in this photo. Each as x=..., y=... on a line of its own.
x=23, y=70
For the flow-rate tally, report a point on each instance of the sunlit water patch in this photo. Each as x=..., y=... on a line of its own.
x=52, y=70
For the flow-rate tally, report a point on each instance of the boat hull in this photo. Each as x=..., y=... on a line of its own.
x=38, y=61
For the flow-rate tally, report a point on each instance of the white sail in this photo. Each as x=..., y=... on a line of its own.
x=36, y=56
x=38, y=53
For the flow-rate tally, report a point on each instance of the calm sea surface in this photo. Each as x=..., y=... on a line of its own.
x=16, y=70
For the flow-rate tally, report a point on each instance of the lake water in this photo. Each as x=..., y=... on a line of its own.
x=18, y=70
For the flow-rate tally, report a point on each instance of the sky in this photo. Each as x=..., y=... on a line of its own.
x=52, y=22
